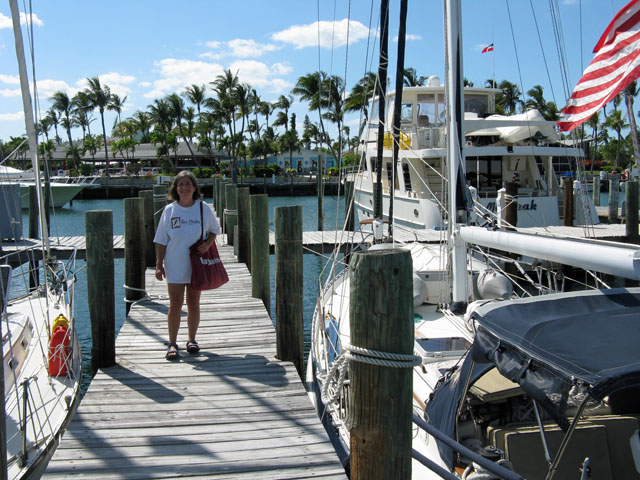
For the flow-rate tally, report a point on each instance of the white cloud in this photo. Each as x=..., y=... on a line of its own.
x=46, y=88
x=239, y=48
x=5, y=22
x=10, y=93
x=177, y=74
x=11, y=117
x=10, y=79
x=408, y=37
x=330, y=33
x=281, y=68
x=145, y=84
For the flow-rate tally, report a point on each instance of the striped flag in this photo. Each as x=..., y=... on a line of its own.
x=616, y=64
x=488, y=48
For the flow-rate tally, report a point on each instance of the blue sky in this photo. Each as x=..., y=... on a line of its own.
x=146, y=49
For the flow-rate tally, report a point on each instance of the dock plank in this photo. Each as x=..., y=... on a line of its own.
x=231, y=411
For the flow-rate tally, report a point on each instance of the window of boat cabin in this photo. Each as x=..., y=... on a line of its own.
x=476, y=103
x=389, y=166
x=406, y=112
x=406, y=174
x=484, y=173
x=374, y=112
x=426, y=109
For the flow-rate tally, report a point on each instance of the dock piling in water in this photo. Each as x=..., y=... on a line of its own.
x=134, y=249
x=614, y=196
x=260, y=284
x=230, y=211
x=243, y=239
x=149, y=226
x=289, y=283
x=159, y=202
x=631, y=211
x=100, y=287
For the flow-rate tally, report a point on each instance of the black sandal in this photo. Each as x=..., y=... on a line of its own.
x=192, y=346
x=171, y=353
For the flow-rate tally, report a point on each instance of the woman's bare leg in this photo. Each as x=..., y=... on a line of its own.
x=176, y=300
x=193, y=311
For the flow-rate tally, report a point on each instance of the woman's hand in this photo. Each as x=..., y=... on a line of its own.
x=206, y=245
x=160, y=274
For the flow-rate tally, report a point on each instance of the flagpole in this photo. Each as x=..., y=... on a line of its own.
x=493, y=62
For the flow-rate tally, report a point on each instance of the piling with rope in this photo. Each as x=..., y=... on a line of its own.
x=100, y=287
x=259, y=214
x=381, y=325
x=289, y=284
x=614, y=199
x=134, y=250
x=596, y=191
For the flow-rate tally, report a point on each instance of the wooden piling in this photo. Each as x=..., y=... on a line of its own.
x=149, y=227
x=216, y=197
x=349, y=208
x=381, y=319
x=222, y=199
x=134, y=249
x=289, y=284
x=159, y=202
x=244, y=240
x=567, y=209
x=511, y=218
x=100, y=287
x=596, y=191
x=631, y=213
x=320, y=191
x=614, y=199
x=34, y=276
x=260, y=283
x=231, y=210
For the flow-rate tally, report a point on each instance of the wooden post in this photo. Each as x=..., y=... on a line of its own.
x=223, y=223
x=349, y=208
x=512, y=204
x=260, y=284
x=149, y=227
x=159, y=202
x=100, y=287
x=614, y=200
x=134, y=250
x=289, y=281
x=231, y=210
x=216, y=196
x=244, y=241
x=320, y=191
x=34, y=276
x=381, y=319
x=631, y=214
x=596, y=191
x=567, y=209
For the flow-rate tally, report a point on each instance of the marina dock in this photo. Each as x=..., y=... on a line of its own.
x=231, y=411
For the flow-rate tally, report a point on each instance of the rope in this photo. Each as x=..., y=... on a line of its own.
x=385, y=359
x=230, y=212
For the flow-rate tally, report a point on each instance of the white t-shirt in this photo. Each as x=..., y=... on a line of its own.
x=178, y=229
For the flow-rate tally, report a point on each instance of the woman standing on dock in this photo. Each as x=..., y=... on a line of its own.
x=178, y=229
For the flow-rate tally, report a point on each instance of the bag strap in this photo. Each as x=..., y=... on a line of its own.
x=201, y=223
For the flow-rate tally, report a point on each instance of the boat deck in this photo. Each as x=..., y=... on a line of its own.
x=231, y=411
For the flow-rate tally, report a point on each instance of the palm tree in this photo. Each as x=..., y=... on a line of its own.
x=225, y=85
x=510, y=98
x=196, y=94
x=161, y=117
x=284, y=104
x=176, y=105
x=629, y=93
x=594, y=123
x=143, y=123
x=360, y=95
x=52, y=117
x=82, y=115
x=410, y=78
x=616, y=122
x=537, y=101
x=100, y=98
x=61, y=102
x=116, y=104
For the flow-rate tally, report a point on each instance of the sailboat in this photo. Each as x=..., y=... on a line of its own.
x=41, y=354
x=513, y=382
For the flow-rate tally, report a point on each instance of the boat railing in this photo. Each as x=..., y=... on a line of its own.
x=492, y=467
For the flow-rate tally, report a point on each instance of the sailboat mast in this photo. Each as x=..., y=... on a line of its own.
x=382, y=100
x=455, y=144
x=397, y=105
x=28, y=119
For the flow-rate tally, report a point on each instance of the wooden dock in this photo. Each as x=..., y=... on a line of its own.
x=232, y=411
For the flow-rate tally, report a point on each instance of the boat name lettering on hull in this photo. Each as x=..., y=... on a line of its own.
x=532, y=205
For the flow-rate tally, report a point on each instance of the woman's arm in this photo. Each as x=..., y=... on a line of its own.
x=160, y=251
x=206, y=245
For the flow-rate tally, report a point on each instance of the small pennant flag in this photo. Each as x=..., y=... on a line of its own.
x=488, y=48
x=615, y=65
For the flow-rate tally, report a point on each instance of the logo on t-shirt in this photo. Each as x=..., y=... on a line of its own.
x=175, y=222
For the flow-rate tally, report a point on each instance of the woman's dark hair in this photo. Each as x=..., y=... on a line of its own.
x=173, y=189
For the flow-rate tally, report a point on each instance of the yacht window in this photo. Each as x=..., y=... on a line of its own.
x=426, y=109
x=484, y=173
x=389, y=166
x=406, y=112
x=374, y=112
x=407, y=177
x=442, y=109
x=476, y=103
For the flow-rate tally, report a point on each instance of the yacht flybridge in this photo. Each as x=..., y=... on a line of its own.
x=524, y=149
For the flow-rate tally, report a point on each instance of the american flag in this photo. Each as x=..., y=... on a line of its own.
x=615, y=65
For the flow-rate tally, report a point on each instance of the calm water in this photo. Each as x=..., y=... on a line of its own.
x=70, y=221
